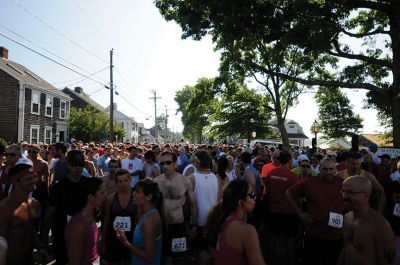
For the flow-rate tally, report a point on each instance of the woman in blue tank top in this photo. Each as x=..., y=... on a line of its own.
x=147, y=239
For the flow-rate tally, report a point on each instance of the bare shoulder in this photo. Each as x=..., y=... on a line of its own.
x=159, y=178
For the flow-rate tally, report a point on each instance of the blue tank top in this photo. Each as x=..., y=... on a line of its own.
x=258, y=179
x=138, y=241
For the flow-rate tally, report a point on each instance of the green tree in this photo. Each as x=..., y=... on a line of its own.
x=196, y=104
x=240, y=113
x=336, y=116
x=88, y=124
x=319, y=29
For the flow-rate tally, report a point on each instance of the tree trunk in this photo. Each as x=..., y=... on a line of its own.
x=395, y=37
x=281, y=127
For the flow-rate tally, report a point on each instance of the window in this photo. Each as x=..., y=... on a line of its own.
x=63, y=109
x=35, y=102
x=48, y=135
x=291, y=126
x=49, y=106
x=122, y=124
x=34, y=139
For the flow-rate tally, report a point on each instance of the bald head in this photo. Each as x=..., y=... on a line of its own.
x=362, y=183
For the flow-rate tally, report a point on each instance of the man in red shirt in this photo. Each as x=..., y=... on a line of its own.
x=324, y=219
x=282, y=221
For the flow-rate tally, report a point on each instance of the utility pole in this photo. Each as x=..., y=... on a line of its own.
x=166, y=123
x=155, y=112
x=111, y=98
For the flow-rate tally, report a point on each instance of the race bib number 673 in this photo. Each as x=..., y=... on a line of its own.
x=335, y=220
x=396, y=210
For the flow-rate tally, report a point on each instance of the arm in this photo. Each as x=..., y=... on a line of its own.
x=151, y=228
x=251, y=247
x=190, y=196
x=305, y=217
x=250, y=178
x=376, y=185
x=92, y=170
x=46, y=174
x=75, y=242
x=106, y=220
x=385, y=244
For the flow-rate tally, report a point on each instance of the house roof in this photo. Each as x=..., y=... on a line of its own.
x=297, y=136
x=23, y=74
x=366, y=139
x=85, y=98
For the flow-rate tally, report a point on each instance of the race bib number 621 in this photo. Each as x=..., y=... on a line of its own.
x=178, y=244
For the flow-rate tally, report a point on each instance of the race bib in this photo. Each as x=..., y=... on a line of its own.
x=178, y=244
x=68, y=218
x=122, y=223
x=396, y=210
x=335, y=220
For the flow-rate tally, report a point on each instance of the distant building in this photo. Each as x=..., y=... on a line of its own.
x=81, y=100
x=32, y=110
x=295, y=131
x=127, y=123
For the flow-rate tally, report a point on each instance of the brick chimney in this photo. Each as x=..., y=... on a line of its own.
x=79, y=90
x=3, y=53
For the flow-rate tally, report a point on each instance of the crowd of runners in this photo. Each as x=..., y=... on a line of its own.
x=124, y=203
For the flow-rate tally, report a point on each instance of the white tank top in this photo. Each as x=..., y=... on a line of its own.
x=205, y=193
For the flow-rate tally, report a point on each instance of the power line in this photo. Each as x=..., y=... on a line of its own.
x=89, y=76
x=91, y=22
x=48, y=58
x=60, y=33
x=127, y=84
x=59, y=57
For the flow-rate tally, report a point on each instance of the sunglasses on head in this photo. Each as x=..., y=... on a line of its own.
x=10, y=154
x=169, y=162
x=252, y=195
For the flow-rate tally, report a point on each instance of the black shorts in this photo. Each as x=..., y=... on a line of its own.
x=283, y=224
x=173, y=231
x=200, y=242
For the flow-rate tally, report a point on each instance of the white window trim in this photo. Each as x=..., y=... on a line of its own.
x=65, y=110
x=37, y=127
x=52, y=103
x=47, y=128
x=35, y=93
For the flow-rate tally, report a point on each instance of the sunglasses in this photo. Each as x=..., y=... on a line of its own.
x=169, y=162
x=252, y=195
x=33, y=151
x=307, y=166
x=10, y=154
x=79, y=163
x=113, y=166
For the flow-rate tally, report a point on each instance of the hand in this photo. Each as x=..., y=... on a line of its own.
x=306, y=218
x=43, y=255
x=120, y=235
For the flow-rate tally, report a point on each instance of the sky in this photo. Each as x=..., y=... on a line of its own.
x=148, y=54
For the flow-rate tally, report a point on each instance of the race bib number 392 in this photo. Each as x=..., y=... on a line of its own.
x=335, y=220
x=122, y=223
x=178, y=244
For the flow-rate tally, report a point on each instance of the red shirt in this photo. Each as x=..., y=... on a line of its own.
x=279, y=180
x=322, y=198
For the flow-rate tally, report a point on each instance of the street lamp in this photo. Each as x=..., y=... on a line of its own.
x=315, y=129
x=253, y=134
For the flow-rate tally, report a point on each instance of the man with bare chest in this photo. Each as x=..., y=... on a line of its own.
x=175, y=189
x=368, y=238
x=18, y=212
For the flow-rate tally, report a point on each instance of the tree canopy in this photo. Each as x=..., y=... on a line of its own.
x=319, y=30
x=336, y=116
x=88, y=124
